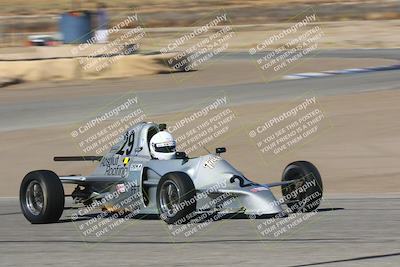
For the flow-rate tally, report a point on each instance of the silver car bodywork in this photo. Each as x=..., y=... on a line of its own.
x=129, y=163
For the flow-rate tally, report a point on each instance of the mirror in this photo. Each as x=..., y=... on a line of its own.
x=180, y=155
x=220, y=150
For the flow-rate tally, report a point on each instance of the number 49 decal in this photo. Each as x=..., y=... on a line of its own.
x=128, y=143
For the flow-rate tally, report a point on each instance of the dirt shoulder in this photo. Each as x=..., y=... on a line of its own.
x=340, y=34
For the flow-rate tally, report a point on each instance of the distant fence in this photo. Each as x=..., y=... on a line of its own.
x=14, y=30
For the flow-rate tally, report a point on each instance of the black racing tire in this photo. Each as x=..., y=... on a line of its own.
x=41, y=197
x=305, y=195
x=176, y=200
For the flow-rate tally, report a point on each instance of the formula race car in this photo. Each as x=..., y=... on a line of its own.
x=137, y=176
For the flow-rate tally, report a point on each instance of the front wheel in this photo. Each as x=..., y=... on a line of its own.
x=41, y=197
x=176, y=200
x=304, y=194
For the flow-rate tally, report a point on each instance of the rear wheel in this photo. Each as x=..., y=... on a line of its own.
x=304, y=194
x=41, y=197
x=176, y=198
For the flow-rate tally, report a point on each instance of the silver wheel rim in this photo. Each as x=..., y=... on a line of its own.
x=169, y=198
x=297, y=174
x=34, y=198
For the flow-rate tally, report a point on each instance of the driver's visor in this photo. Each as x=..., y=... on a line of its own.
x=166, y=147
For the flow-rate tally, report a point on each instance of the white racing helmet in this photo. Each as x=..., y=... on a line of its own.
x=162, y=146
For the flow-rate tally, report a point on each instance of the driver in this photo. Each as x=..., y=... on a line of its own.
x=162, y=146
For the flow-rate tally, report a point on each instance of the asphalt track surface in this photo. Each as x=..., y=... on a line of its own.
x=31, y=114
x=345, y=232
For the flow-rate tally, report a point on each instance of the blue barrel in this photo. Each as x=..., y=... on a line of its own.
x=76, y=27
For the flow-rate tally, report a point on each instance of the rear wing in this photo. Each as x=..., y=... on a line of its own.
x=78, y=158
